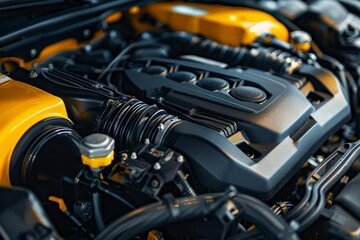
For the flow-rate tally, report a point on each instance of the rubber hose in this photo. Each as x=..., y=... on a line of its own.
x=158, y=214
x=98, y=212
x=258, y=213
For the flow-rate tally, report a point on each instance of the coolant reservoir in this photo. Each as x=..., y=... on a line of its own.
x=227, y=25
x=22, y=107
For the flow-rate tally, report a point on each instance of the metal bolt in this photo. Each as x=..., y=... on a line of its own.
x=319, y=158
x=124, y=156
x=155, y=183
x=294, y=225
x=86, y=33
x=87, y=48
x=330, y=198
x=51, y=66
x=344, y=180
x=161, y=127
x=254, y=52
x=180, y=159
x=33, y=52
x=133, y=155
x=113, y=34
x=33, y=74
x=147, y=141
x=313, y=56
x=157, y=166
x=161, y=100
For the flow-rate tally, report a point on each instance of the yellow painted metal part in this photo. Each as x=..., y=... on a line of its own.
x=68, y=44
x=155, y=235
x=227, y=25
x=99, y=161
x=21, y=107
x=60, y=202
x=303, y=47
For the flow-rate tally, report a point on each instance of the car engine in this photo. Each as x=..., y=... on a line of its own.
x=182, y=120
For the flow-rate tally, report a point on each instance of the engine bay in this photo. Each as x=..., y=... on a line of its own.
x=182, y=120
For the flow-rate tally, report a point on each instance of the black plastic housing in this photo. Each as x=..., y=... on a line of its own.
x=255, y=146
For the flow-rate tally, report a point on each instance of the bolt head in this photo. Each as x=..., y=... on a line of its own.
x=87, y=33
x=157, y=166
x=124, y=156
x=33, y=52
x=155, y=183
x=33, y=74
x=161, y=127
x=180, y=159
x=133, y=155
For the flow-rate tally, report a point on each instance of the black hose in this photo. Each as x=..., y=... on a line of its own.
x=181, y=209
x=256, y=56
x=322, y=187
x=98, y=212
x=314, y=201
x=262, y=216
x=96, y=200
x=99, y=188
x=131, y=121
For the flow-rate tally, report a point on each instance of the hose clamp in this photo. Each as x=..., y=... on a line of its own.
x=163, y=128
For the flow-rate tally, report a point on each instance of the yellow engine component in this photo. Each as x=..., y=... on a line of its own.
x=60, y=202
x=21, y=107
x=67, y=44
x=155, y=235
x=98, y=162
x=227, y=25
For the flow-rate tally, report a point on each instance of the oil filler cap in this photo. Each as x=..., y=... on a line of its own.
x=97, y=150
x=248, y=94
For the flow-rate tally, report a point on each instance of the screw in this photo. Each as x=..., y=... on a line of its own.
x=87, y=48
x=319, y=158
x=113, y=34
x=161, y=127
x=155, y=183
x=294, y=225
x=254, y=52
x=180, y=159
x=51, y=66
x=124, y=156
x=133, y=155
x=33, y=52
x=147, y=141
x=33, y=74
x=157, y=166
x=161, y=100
x=86, y=33
x=344, y=180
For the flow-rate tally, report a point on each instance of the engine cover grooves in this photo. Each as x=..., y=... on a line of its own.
x=280, y=132
x=263, y=122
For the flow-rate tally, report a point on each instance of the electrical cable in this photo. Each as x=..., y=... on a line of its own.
x=160, y=213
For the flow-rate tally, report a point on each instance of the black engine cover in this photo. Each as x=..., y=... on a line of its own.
x=275, y=123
